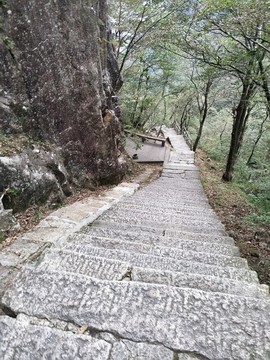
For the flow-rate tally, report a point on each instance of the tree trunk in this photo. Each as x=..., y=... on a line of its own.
x=241, y=115
x=143, y=74
x=184, y=116
x=260, y=133
x=204, y=113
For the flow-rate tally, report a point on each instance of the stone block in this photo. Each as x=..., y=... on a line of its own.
x=212, y=325
x=25, y=342
x=178, y=242
x=157, y=250
x=170, y=264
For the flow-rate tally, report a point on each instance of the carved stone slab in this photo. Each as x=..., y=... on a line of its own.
x=110, y=269
x=212, y=325
x=156, y=250
x=170, y=264
x=179, y=243
x=24, y=342
x=163, y=230
x=206, y=227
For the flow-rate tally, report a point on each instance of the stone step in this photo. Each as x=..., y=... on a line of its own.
x=171, y=176
x=211, y=325
x=190, y=170
x=166, y=203
x=181, y=196
x=155, y=250
x=187, y=167
x=186, y=177
x=147, y=212
x=179, y=145
x=172, y=189
x=155, y=201
x=182, y=159
x=192, y=182
x=184, y=155
x=179, y=243
x=164, y=231
x=22, y=340
x=175, y=200
x=184, y=225
x=177, y=160
x=201, y=282
x=181, y=174
x=190, y=174
x=182, y=186
x=181, y=149
x=115, y=270
x=167, y=263
x=143, y=212
x=179, y=183
x=179, y=211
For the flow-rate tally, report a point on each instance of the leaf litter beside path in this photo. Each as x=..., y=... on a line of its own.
x=231, y=206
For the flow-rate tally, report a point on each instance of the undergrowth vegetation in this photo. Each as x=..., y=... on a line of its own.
x=251, y=175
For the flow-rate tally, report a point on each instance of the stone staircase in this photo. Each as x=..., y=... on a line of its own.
x=155, y=278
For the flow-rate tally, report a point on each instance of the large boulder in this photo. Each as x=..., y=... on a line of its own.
x=58, y=85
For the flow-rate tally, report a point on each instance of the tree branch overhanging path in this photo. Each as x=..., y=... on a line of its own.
x=225, y=40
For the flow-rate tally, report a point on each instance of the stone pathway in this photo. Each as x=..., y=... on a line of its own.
x=155, y=277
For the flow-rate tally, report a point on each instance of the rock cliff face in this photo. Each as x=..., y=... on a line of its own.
x=57, y=85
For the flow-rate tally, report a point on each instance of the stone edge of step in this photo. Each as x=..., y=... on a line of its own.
x=165, y=228
x=53, y=262
x=157, y=250
x=98, y=232
x=43, y=236
x=64, y=226
x=156, y=262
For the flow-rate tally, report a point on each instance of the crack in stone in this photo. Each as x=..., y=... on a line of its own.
x=7, y=311
x=193, y=354
x=72, y=327
x=128, y=275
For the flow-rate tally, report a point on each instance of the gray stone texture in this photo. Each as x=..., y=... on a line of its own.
x=213, y=325
x=166, y=216
x=169, y=232
x=58, y=85
x=23, y=342
x=158, y=209
x=109, y=269
x=156, y=250
x=154, y=226
x=170, y=264
x=166, y=202
x=178, y=242
x=167, y=219
x=7, y=221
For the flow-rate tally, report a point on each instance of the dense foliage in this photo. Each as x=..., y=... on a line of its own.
x=202, y=65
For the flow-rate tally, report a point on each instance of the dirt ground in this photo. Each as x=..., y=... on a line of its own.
x=231, y=207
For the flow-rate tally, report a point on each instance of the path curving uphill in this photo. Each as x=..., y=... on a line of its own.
x=155, y=277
